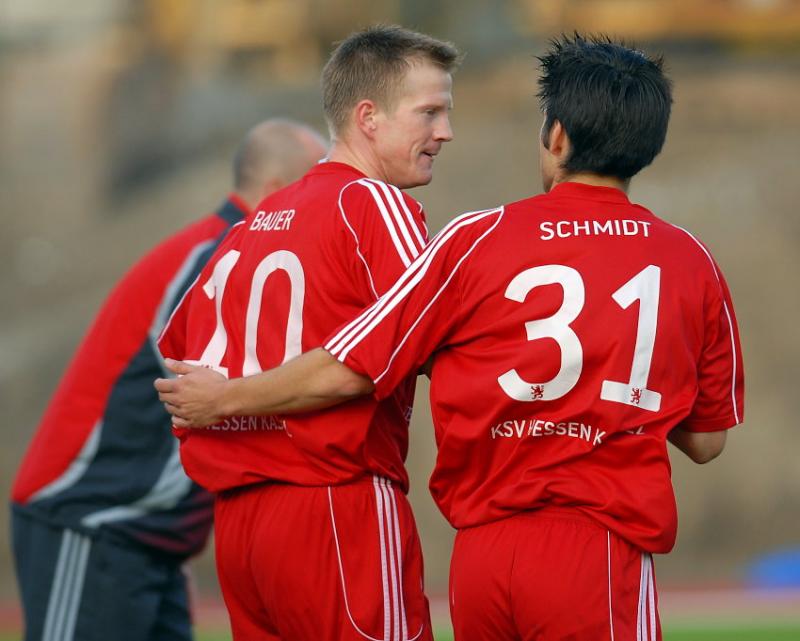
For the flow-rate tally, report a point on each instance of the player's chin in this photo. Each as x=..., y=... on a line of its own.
x=424, y=173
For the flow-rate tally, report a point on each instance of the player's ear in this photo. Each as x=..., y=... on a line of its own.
x=557, y=140
x=365, y=116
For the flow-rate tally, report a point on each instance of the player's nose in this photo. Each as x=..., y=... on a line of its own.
x=443, y=131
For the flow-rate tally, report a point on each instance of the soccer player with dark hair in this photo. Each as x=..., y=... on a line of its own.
x=571, y=335
x=103, y=515
x=315, y=537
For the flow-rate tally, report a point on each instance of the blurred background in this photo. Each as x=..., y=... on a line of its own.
x=118, y=119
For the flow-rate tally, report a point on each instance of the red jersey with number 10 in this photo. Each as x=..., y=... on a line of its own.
x=312, y=256
x=571, y=332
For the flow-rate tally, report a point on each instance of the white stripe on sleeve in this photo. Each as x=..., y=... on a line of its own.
x=435, y=297
x=355, y=237
x=351, y=334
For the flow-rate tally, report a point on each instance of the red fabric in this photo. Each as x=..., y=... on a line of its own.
x=532, y=312
x=321, y=563
x=311, y=257
x=551, y=575
x=117, y=333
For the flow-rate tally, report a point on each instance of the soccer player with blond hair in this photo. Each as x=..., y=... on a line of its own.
x=315, y=536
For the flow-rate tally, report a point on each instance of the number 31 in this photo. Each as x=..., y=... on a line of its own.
x=643, y=287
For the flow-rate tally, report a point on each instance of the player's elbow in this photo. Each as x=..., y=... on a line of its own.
x=337, y=382
x=354, y=385
x=707, y=448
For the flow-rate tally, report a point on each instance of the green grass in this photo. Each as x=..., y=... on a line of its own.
x=749, y=633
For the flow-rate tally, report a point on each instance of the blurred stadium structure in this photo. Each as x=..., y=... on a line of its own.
x=741, y=22
x=117, y=120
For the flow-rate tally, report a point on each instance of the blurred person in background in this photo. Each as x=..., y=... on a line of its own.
x=571, y=335
x=315, y=539
x=103, y=515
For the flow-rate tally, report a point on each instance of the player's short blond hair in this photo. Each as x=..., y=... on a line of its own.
x=370, y=64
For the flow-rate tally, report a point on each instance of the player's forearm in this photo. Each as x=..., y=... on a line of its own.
x=314, y=380
x=701, y=447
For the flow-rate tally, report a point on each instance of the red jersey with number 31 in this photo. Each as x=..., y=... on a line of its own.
x=571, y=332
x=311, y=257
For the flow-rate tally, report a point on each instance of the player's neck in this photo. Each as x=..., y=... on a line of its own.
x=351, y=154
x=596, y=180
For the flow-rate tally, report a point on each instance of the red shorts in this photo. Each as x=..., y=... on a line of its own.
x=551, y=575
x=321, y=563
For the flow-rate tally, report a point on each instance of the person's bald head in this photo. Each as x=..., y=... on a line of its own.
x=273, y=154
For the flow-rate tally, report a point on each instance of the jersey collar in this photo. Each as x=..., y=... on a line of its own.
x=331, y=166
x=233, y=209
x=589, y=192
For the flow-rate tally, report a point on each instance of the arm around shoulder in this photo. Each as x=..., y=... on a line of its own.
x=315, y=380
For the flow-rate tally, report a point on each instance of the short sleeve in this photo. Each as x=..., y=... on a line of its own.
x=395, y=336
x=387, y=228
x=720, y=399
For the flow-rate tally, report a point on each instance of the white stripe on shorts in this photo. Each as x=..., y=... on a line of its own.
x=395, y=624
x=610, y=609
x=67, y=587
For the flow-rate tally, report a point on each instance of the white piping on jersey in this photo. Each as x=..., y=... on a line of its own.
x=730, y=321
x=411, y=222
x=387, y=219
x=355, y=237
x=185, y=294
x=67, y=587
x=610, y=609
x=392, y=299
x=435, y=297
x=76, y=468
x=422, y=220
x=394, y=621
x=163, y=312
x=395, y=198
x=172, y=485
x=347, y=333
x=396, y=201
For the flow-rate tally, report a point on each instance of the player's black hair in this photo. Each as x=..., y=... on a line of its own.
x=613, y=101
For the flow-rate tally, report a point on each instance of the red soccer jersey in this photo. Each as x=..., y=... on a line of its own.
x=571, y=331
x=312, y=256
